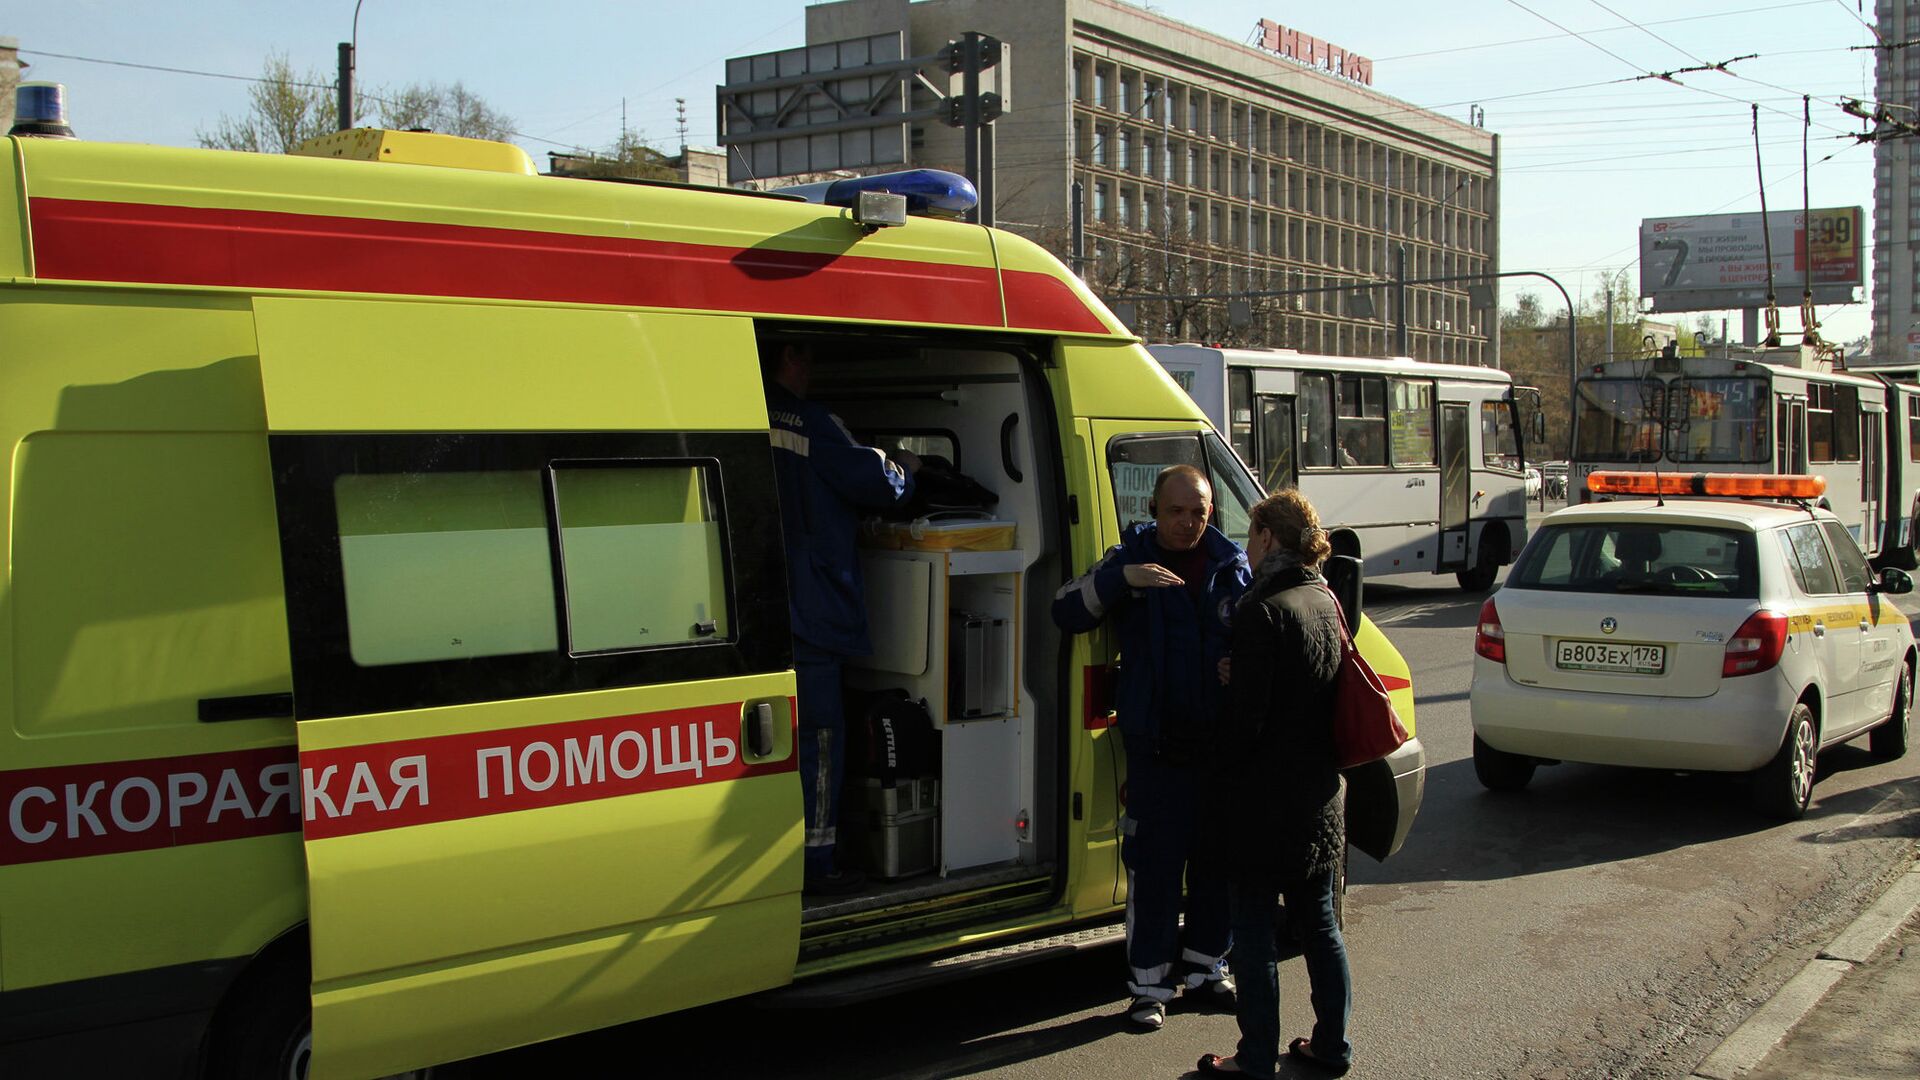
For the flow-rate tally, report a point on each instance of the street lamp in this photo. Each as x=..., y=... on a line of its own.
x=345, y=82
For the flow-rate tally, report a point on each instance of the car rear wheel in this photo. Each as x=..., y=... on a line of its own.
x=1783, y=787
x=1499, y=770
x=1889, y=740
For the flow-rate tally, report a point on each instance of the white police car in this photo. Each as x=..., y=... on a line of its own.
x=1692, y=634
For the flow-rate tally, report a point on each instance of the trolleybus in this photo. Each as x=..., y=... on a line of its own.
x=1779, y=410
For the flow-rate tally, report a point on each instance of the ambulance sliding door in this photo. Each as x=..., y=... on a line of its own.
x=541, y=680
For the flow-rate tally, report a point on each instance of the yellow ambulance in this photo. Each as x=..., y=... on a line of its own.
x=395, y=620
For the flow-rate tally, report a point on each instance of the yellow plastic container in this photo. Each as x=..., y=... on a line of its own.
x=951, y=534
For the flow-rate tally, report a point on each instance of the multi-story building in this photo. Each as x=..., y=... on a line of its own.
x=1896, y=182
x=1206, y=166
x=10, y=65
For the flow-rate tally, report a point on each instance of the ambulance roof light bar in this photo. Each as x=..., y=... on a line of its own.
x=934, y=192
x=1726, y=485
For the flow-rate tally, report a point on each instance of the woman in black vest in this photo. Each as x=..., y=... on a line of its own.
x=1280, y=827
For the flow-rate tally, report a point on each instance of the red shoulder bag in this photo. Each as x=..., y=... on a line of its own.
x=1365, y=725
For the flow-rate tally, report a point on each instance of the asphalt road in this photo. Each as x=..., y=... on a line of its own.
x=1602, y=923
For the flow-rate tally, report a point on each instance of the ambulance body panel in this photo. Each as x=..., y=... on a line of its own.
x=397, y=620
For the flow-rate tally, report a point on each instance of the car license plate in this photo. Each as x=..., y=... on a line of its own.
x=1608, y=656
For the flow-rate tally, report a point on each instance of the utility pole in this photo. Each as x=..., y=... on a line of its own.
x=1609, y=318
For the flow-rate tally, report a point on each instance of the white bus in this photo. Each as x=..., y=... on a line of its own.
x=1765, y=411
x=1414, y=467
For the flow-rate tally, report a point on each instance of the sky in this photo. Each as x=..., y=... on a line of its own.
x=1589, y=145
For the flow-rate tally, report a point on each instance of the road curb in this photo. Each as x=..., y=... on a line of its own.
x=1750, y=1043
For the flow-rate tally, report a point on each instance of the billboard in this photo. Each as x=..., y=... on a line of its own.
x=833, y=105
x=1715, y=261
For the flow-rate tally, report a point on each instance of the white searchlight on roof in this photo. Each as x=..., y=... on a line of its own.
x=889, y=198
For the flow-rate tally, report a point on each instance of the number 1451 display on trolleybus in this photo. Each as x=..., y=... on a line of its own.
x=1414, y=467
x=1777, y=410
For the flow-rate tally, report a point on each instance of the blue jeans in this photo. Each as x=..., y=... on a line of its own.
x=822, y=751
x=1310, y=908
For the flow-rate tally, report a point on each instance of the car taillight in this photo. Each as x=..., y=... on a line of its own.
x=1757, y=645
x=1488, y=639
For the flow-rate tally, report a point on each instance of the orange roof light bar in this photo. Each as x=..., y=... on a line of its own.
x=1735, y=485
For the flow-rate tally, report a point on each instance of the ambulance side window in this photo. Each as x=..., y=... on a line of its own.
x=438, y=565
x=430, y=570
x=1135, y=462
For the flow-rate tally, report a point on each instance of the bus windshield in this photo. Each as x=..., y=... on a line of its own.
x=1718, y=419
x=1618, y=419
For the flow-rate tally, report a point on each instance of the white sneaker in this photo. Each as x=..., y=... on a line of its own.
x=1216, y=993
x=1147, y=1013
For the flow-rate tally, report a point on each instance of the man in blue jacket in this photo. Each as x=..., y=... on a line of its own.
x=1169, y=589
x=826, y=480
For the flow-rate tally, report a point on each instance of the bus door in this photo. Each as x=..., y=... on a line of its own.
x=1274, y=431
x=1456, y=486
x=541, y=671
x=1871, y=449
x=1790, y=433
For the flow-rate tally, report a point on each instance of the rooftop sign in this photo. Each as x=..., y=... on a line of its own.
x=1313, y=52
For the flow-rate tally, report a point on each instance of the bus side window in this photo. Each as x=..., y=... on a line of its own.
x=1240, y=412
x=1363, y=420
x=1411, y=422
x=1316, y=421
x=1499, y=443
x=1276, y=443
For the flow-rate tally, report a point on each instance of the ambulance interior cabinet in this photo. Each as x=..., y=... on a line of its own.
x=946, y=628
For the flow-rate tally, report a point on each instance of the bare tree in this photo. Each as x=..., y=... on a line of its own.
x=286, y=108
x=628, y=159
x=450, y=110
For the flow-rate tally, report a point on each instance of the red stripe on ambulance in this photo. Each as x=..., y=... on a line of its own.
x=84, y=240
x=71, y=811
x=388, y=785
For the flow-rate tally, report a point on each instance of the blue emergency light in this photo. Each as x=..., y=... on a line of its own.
x=927, y=191
x=40, y=109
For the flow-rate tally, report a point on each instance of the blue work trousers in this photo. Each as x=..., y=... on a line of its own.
x=1161, y=830
x=1330, y=987
x=823, y=749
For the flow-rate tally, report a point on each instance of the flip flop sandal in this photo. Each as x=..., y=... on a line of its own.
x=1298, y=1048
x=1215, y=1065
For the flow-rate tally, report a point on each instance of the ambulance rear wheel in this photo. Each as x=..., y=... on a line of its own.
x=265, y=1028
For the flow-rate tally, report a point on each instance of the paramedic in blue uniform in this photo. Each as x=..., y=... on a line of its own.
x=1169, y=590
x=827, y=480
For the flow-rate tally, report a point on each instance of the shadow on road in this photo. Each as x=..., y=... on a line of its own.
x=951, y=1030
x=1584, y=815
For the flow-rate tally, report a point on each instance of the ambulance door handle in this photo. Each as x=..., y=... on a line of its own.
x=1819, y=628
x=760, y=729
x=1865, y=625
